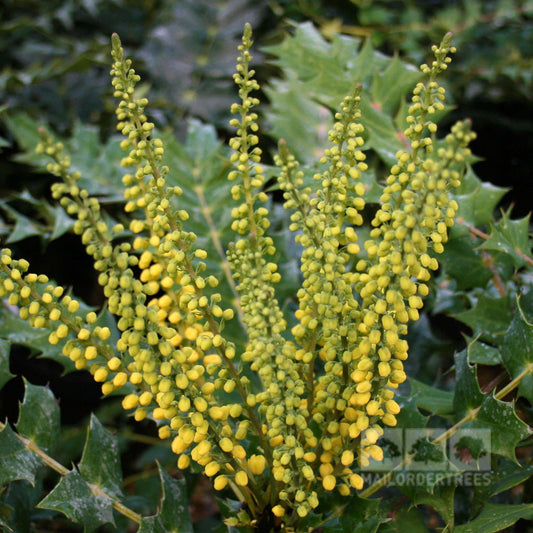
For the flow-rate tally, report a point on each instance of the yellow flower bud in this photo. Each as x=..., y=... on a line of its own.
x=257, y=464
x=226, y=444
x=212, y=468
x=329, y=482
x=278, y=510
x=241, y=478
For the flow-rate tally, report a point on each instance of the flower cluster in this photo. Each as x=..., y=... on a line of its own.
x=325, y=388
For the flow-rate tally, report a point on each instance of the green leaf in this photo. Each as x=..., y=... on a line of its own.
x=390, y=86
x=409, y=415
x=436, y=401
x=173, y=515
x=495, y=517
x=39, y=416
x=465, y=264
x=467, y=395
x=382, y=134
x=506, y=429
x=23, y=228
x=483, y=354
x=406, y=518
x=5, y=374
x=517, y=349
x=489, y=319
x=16, y=461
x=305, y=138
x=174, y=504
x=508, y=477
x=74, y=498
x=512, y=237
x=476, y=206
x=100, y=461
x=359, y=515
x=442, y=500
x=62, y=223
x=18, y=331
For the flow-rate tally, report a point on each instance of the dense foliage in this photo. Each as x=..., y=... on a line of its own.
x=286, y=400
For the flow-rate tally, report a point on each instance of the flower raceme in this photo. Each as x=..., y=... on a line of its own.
x=325, y=388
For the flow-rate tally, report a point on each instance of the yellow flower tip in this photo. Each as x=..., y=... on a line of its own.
x=241, y=478
x=329, y=482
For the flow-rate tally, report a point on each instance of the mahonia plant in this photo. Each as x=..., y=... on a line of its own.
x=325, y=388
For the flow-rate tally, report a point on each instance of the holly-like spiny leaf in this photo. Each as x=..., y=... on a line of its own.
x=173, y=515
x=5, y=374
x=495, y=517
x=73, y=497
x=16, y=461
x=100, y=462
x=39, y=416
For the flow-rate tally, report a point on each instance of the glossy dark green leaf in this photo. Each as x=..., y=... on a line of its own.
x=303, y=123
x=174, y=510
x=483, y=354
x=467, y=395
x=382, y=134
x=441, y=499
x=39, y=416
x=517, y=350
x=359, y=515
x=62, y=223
x=495, y=517
x=477, y=205
x=151, y=524
x=506, y=429
x=390, y=86
x=173, y=515
x=436, y=401
x=16, y=461
x=509, y=477
x=5, y=374
x=74, y=498
x=100, y=462
x=512, y=237
x=23, y=229
x=465, y=264
x=406, y=518
x=18, y=331
x=409, y=415
x=489, y=319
